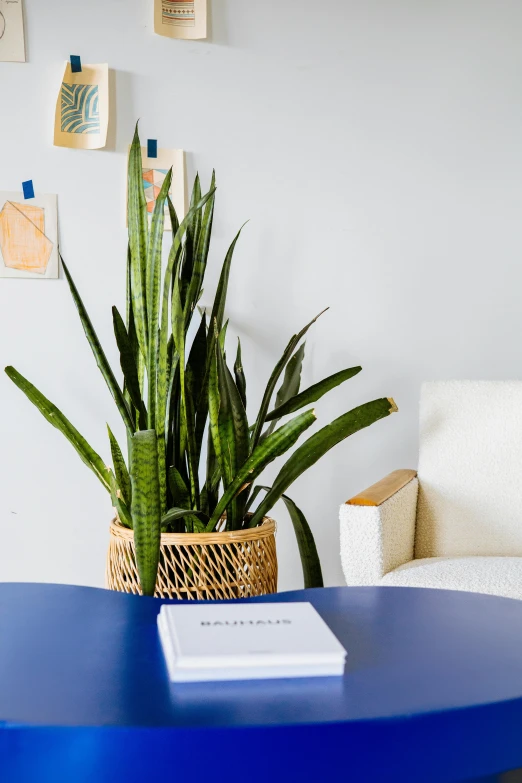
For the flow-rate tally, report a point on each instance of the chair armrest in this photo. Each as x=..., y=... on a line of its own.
x=378, y=528
x=378, y=493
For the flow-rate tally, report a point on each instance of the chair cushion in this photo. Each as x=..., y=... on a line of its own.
x=470, y=469
x=492, y=575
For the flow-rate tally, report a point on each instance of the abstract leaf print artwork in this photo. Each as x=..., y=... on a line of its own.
x=12, y=43
x=28, y=236
x=181, y=18
x=82, y=108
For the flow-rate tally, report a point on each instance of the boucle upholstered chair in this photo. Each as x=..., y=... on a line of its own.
x=457, y=524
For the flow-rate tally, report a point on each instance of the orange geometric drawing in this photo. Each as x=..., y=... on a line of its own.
x=152, y=182
x=22, y=239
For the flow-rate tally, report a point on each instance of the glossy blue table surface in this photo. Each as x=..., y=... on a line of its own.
x=432, y=692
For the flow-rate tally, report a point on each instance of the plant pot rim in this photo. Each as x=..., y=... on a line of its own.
x=265, y=529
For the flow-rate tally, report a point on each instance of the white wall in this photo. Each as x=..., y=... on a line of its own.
x=376, y=147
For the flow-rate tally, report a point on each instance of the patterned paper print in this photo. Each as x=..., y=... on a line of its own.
x=82, y=108
x=154, y=171
x=178, y=13
x=181, y=18
x=152, y=182
x=12, y=44
x=28, y=236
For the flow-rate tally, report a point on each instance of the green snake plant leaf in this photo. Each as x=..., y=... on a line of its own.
x=191, y=241
x=178, y=488
x=153, y=294
x=196, y=372
x=171, y=273
x=174, y=222
x=318, y=444
x=272, y=447
x=120, y=469
x=217, y=316
x=313, y=393
x=253, y=496
x=209, y=493
x=278, y=369
x=179, y=513
x=187, y=435
x=132, y=345
x=118, y=503
x=99, y=355
x=233, y=431
x=55, y=417
x=173, y=377
x=214, y=404
x=128, y=290
x=239, y=374
x=192, y=456
x=123, y=512
x=196, y=363
x=223, y=338
x=292, y=378
x=196, y=221
x=312, y=573
x=220, y=416
x=154, y=373
x=137, y=220
x=218, y=308
x=128, y=366
x=291, y=384
x=146, y=507
x=200, y=255
x=164, y=381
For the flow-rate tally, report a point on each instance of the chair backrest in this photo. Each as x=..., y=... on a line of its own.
x=470, y=469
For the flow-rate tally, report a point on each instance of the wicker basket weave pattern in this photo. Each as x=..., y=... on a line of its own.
x=200, y=566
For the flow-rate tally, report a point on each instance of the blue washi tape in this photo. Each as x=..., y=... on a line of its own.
x=152, y=148
x=28, y=189
x=76, y=63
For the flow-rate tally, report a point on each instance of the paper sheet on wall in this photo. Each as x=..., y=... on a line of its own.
x=12, y=44
x=181, y=18
x=154, y=171
x=82, y=108
x=28, y=236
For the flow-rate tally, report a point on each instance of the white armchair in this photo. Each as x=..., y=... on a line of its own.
x=457, y=524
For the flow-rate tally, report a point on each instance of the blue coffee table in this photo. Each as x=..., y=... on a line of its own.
x=432, y=692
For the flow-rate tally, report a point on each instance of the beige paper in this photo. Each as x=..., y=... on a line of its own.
x=82, y=108
x=154, y=171
x=28, y=236
x=12, y=44
x=181, y=18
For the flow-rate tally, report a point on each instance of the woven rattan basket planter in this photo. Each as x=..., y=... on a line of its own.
x=200, y=565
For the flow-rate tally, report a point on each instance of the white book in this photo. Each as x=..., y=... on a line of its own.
x=242, y=641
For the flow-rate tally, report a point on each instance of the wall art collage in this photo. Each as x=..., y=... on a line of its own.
x=29, y=220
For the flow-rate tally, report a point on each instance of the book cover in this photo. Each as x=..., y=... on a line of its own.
x=248, y=641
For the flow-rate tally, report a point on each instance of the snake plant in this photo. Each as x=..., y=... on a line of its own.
x=193, y=453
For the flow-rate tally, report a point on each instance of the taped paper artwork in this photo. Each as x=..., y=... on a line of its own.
x=28, y=236
x=152, y=182
x=154, y=171
x=82, y=108
x=181, y=18
x=12, y=43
